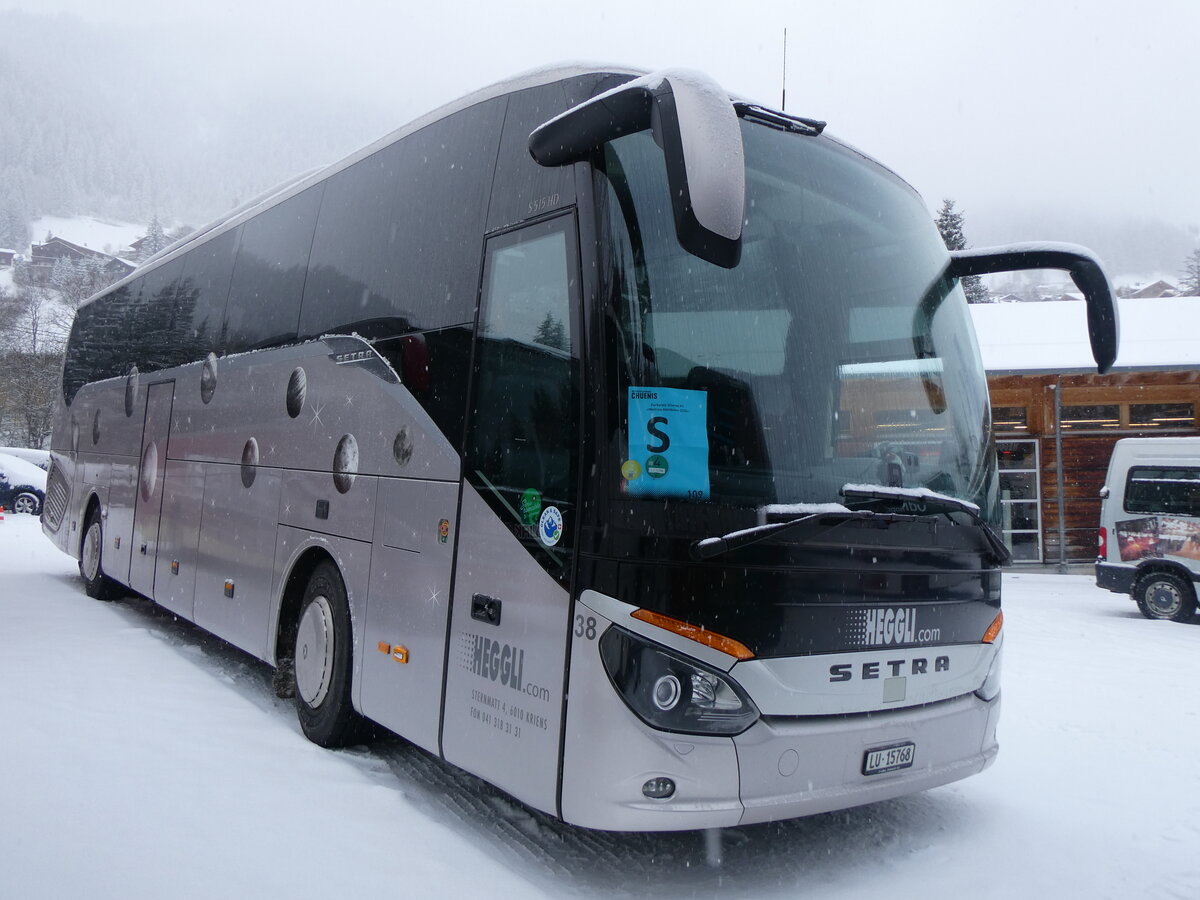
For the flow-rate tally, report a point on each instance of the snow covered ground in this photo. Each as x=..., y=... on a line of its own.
x=141, y=758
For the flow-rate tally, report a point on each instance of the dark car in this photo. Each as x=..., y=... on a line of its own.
x=22, y=485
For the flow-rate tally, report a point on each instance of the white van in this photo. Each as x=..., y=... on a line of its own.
x=1150, y=525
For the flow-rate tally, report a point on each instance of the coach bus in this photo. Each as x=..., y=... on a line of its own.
x=622, y=443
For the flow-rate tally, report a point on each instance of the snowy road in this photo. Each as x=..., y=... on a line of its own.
x=141, y=758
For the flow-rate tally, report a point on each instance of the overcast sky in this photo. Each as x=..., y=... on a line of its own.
x=1089, y=106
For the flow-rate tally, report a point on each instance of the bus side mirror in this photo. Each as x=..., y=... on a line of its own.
x=695, y=123
x=1085, y=270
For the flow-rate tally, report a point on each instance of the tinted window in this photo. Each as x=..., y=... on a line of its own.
x=99, y=346
x=1092, y=416
x=352, y=283
x=434, y=366
x=1173, y=491
x=268, y=277
x=522, y=452
x=1162, y=415
x=1010, y=418
x=523, y=188
x=400, y=235
x=148, y=333
x=203, y=291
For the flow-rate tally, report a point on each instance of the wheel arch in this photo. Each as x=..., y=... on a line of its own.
x=291, y=597
x=90, y=502
x=1159, y=566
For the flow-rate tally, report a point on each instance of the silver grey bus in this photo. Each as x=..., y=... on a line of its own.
x=619, y=442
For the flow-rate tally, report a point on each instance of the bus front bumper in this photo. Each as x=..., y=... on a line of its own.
x=779, y=768
x=799, y=767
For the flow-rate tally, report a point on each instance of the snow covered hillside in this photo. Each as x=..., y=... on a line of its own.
x=142, y=758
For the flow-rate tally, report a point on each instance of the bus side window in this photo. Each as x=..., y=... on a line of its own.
x=522, y=450
x=268, y=275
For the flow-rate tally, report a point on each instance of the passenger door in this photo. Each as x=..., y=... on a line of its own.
x=511, y=606
x=152, y=473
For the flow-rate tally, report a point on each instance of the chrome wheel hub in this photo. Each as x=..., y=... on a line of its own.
x=90, y=557
x=314, y=651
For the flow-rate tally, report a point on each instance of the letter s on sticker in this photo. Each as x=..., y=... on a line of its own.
x=664, y=442
x=839, y=673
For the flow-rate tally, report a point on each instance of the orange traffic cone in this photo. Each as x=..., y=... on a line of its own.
x=1, y=513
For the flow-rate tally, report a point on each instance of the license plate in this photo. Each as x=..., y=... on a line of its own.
x=889, y=759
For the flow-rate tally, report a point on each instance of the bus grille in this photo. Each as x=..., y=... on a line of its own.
x=57, y=492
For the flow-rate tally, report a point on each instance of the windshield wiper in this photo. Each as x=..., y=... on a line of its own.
x=940, y=503
x=777, y=119
x=706, y=548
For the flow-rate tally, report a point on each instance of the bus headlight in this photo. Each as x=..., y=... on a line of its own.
x=673, y=693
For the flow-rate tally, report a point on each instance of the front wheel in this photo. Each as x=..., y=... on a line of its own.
x=323, y=662
x=1165, y=595
x=95, y=583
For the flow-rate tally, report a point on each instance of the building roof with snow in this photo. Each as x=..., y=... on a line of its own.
x=1159, y=288
x=47, y=253
x=1160, y=334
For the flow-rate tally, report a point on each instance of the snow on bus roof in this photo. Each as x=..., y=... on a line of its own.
x=1052, y=336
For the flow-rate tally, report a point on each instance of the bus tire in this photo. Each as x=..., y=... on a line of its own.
x=96, y=584
x=1165, y=595
x=323, y=662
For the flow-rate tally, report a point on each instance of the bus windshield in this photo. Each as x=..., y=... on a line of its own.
x=836, y=352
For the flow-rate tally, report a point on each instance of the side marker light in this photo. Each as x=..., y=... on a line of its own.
x=728, y=645
x=993, y=632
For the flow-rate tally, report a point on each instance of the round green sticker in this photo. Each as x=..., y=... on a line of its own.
x=656, y=466
x=531, y=506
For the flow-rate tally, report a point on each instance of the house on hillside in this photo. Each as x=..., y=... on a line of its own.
x=1153, y=291
x=7, y=257
x=1047, y=398
x=42, y=257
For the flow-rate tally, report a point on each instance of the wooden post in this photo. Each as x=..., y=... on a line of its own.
x=1058, y=476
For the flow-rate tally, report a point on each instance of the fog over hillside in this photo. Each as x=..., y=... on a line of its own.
x=132, y=113
x=97, y=122
x=1133, y=248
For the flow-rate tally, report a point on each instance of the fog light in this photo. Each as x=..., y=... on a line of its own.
x=666, y=693
x=659, y=788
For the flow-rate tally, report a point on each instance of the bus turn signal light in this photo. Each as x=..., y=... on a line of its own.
x=736, y=649
x=993, y=632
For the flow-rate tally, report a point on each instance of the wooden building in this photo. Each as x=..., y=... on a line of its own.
x=1056, y=420
x=43, y=256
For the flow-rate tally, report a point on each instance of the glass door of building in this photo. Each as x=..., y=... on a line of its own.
x=1021, y=499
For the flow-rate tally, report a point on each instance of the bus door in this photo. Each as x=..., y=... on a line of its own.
x=152, y=471
x=510, y=615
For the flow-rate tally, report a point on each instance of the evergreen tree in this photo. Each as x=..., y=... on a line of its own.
x=551, y=333
x=1190, y=283
x=950, y=226
x=155, y=240
x=14, y=233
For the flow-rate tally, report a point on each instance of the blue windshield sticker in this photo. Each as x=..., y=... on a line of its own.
x=668, y=443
